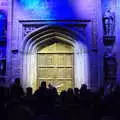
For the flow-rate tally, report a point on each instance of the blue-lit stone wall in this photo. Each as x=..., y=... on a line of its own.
x=108, y=4
x=45, y=9
x=51, y=9
x=117, y=44
x=3, y=40
x=21, y=11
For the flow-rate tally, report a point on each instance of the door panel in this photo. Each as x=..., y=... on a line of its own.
x=55, y=68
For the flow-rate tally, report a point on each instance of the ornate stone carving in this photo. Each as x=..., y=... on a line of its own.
x=29, y=28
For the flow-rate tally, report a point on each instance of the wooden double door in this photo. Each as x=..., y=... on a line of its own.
x=55, y=65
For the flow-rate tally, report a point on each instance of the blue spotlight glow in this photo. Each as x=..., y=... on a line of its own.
x=47, y=9
x=30, y=4
x=37, y=8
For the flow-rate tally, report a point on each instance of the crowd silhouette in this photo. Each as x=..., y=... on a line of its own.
x=46, y=104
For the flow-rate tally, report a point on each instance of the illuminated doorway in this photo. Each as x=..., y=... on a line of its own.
x=47, y=54
x=55, y=65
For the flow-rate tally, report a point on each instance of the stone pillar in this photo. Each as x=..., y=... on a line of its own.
x=9, y=39
x=117, y=48
x=109, y=40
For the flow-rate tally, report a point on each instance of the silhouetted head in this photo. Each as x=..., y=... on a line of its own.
x=70, y=91
x=84, y=87
x=76, y=90
x=29, y=91
x=50, y=86
x=17, y=81
x=43, y=84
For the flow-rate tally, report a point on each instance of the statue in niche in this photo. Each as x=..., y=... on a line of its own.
x=109, y=22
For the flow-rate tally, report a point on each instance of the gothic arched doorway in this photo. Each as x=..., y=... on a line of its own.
x=58, y=43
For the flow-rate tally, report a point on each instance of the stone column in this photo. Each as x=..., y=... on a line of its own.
x=109, y=40
x=9, y=39
x=117, y=48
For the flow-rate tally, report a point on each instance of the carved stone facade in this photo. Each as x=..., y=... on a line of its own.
x=29, y=28
x=26, y=29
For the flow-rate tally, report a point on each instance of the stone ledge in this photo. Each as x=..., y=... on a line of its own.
x=108, y=40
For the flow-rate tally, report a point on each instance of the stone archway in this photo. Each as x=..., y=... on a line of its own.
x=45, y=35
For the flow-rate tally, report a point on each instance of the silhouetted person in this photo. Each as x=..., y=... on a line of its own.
x=16, y=89
x=43, y=84
x=42, y=98
x=83, y=89
x=29, y=91
x=50, y=86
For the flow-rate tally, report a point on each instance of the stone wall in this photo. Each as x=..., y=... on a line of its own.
x=117, y=43
x=3, y=5
x=3, y=30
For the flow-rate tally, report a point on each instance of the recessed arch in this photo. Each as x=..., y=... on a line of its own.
x=52, y=30
x=42, y=36
x=42, y=39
